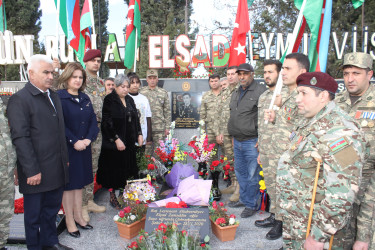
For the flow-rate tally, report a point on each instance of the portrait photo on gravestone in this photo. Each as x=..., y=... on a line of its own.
x=185, y=106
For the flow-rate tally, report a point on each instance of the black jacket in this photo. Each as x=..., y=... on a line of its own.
x=243, y=121
x=38, y=132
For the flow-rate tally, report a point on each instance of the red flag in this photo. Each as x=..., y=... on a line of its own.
x=241, y=27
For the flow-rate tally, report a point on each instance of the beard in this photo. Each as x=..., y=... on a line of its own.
x=271, y=84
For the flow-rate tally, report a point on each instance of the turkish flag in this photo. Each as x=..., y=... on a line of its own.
x=241, y=27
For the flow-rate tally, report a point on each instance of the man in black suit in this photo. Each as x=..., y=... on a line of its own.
x=38, y=133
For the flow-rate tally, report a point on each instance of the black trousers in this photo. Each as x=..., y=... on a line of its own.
x=40, y=210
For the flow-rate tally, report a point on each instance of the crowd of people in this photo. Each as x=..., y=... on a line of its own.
x=315, y=147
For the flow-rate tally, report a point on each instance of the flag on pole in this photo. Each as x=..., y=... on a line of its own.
x=241, y=27
x=357, y=3
x=3, y=18
x=133, y=32
x=112, y=43
x=85, y=32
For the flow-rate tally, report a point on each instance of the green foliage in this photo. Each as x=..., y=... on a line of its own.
x=23, y=17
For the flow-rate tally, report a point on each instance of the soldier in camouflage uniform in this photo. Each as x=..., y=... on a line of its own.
x=287, y=118
x=358, y=100
x=222, y=135
x=96, y=91
x=330, y=136
x=208, y=109
x=160, y=109
x=7, y=165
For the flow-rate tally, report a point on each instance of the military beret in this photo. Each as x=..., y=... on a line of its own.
x=152, y=72
x=91, y=54
x=358, y=59
x=318, y=80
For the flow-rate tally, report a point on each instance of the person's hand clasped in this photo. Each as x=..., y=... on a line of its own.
x=87, y=142
x=34, y=180
x=120, y=145
x=219, y=139
x=79, y=145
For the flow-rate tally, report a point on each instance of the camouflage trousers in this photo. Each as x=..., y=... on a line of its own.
x=269, y=172
x=88, y=191
x=227, y=148
x=157, y=136
x=6, y=205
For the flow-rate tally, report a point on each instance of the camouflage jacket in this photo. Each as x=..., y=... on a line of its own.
x=223, y=111
x=363, y=111
x=160, y=108
x=287, y=118
x=7, y=150
x=366, y=216
x=265, y=131
x=96, y=91
x=208, y=110
x=335, y=138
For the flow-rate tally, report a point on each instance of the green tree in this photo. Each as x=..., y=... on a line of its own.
x=161, y=17
x=23, y=17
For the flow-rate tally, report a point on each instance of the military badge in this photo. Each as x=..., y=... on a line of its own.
x=313, y=81
x=364, y=123
x=370, y=104
x=338, y=144
x=370, y=124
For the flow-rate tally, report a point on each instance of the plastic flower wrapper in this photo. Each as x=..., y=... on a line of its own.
x=140, y=190
x=201, y=150
x=194, y=192
x=178, y=173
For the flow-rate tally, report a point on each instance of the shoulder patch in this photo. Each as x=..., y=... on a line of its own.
x=343, y=152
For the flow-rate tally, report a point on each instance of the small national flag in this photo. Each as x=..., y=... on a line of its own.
x=3, y=18
x=85, y=32
x=357, y=3
x=112, y=48
x=241, y=27
x=133, y=32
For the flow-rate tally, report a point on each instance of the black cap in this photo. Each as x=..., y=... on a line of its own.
x=245, y=67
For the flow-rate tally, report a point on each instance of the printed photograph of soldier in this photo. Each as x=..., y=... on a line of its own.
x=185, y=109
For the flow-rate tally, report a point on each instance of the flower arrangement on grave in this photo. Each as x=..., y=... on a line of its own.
x=141, y=191
x=146, y=165
x=180, y=204
x=133, y=212
x=201, y=151
x=167, y=148
x=219, y=215
x=222, y=165
x=168, y=236
x=180, y=154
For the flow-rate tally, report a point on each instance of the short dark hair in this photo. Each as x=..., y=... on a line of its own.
x=213, y=76
x=302, y=60
x=186, y=94
x=277, y=63
x=132, y=77
x=233, y=67
x=318, y=91
x=352, y=66
x=109, y=79
x=130, y=74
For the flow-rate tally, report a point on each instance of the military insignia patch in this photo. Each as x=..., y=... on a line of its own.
x=338, y=144
x=343, y=152
x=313, y=81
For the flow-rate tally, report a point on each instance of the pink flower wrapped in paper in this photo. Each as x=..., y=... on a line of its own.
x=195, y=192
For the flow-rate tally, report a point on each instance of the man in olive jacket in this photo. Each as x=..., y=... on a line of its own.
x=38, y=133
x=243, y=126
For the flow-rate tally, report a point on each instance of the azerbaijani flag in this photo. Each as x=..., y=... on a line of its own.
x=112, y=42
x=3, y=18
x=85, y=31
x=133, y=32
x=357, y=3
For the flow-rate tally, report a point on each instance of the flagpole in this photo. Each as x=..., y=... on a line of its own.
x=279, y=84
x=251, y=48
x=92, y=17
x=135, y=50
x=57, y=29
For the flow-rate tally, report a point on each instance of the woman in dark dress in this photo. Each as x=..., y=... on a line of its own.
x=80, y=129
x=121, y=130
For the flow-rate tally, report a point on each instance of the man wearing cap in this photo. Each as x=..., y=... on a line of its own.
x=160, y=109
x=222, y=135
x=332, y=141
x=358, y=100
x=95, y=89
x=243, y=126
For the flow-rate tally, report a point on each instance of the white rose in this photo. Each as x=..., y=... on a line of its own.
x=232, y=221
x=132, y=217
x=116, y=217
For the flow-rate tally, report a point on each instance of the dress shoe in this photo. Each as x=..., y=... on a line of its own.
x=92, y=207
x=58, y=246
x=235, y=204
x=248, y=212
x=85, y=227
x=276, y=232
x=75, y=234
x=85, y=214
x=268, y=222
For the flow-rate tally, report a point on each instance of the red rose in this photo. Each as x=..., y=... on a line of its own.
x=150, y=166
x=206, y=173
x=220, y=221
x=138, y=202
x=133, y=245
x=215, y=163
x=184, y=233
x=127, y=210
x=121, y=214
x=226, y=172
x=221, y=161
x=171, y=205
x=203, y=245
x=212, y=168
x=221, y=204
x=214, y=205
x=227, y=167
x=200, y=173
x=183, y=204
x=232, y=216
x=162, y=227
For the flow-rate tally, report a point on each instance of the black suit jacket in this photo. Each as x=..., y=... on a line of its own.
x=38, y=133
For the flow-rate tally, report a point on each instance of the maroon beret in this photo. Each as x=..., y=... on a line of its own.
x=318, y=80
x=91, y=54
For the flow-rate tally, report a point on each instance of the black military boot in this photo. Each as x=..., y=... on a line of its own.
x=268, y=222
x=276, y=232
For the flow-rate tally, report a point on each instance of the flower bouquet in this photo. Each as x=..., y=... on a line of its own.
x=141, y=190
x=224, y=226
x=263, y=192
x=201, y=151
x=168, y=237
x=167, y=148
x=218, y=166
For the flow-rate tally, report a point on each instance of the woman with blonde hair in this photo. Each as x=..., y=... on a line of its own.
x=80, y=129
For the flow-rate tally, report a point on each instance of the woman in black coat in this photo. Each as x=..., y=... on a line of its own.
x=120, y=130
x=81, y=129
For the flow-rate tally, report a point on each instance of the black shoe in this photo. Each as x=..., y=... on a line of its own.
x=248, y=212
x=235, y=204
x=85, y=227
x=75, y=234
x=268, y=222
x=276, y=232
x=58, y=246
